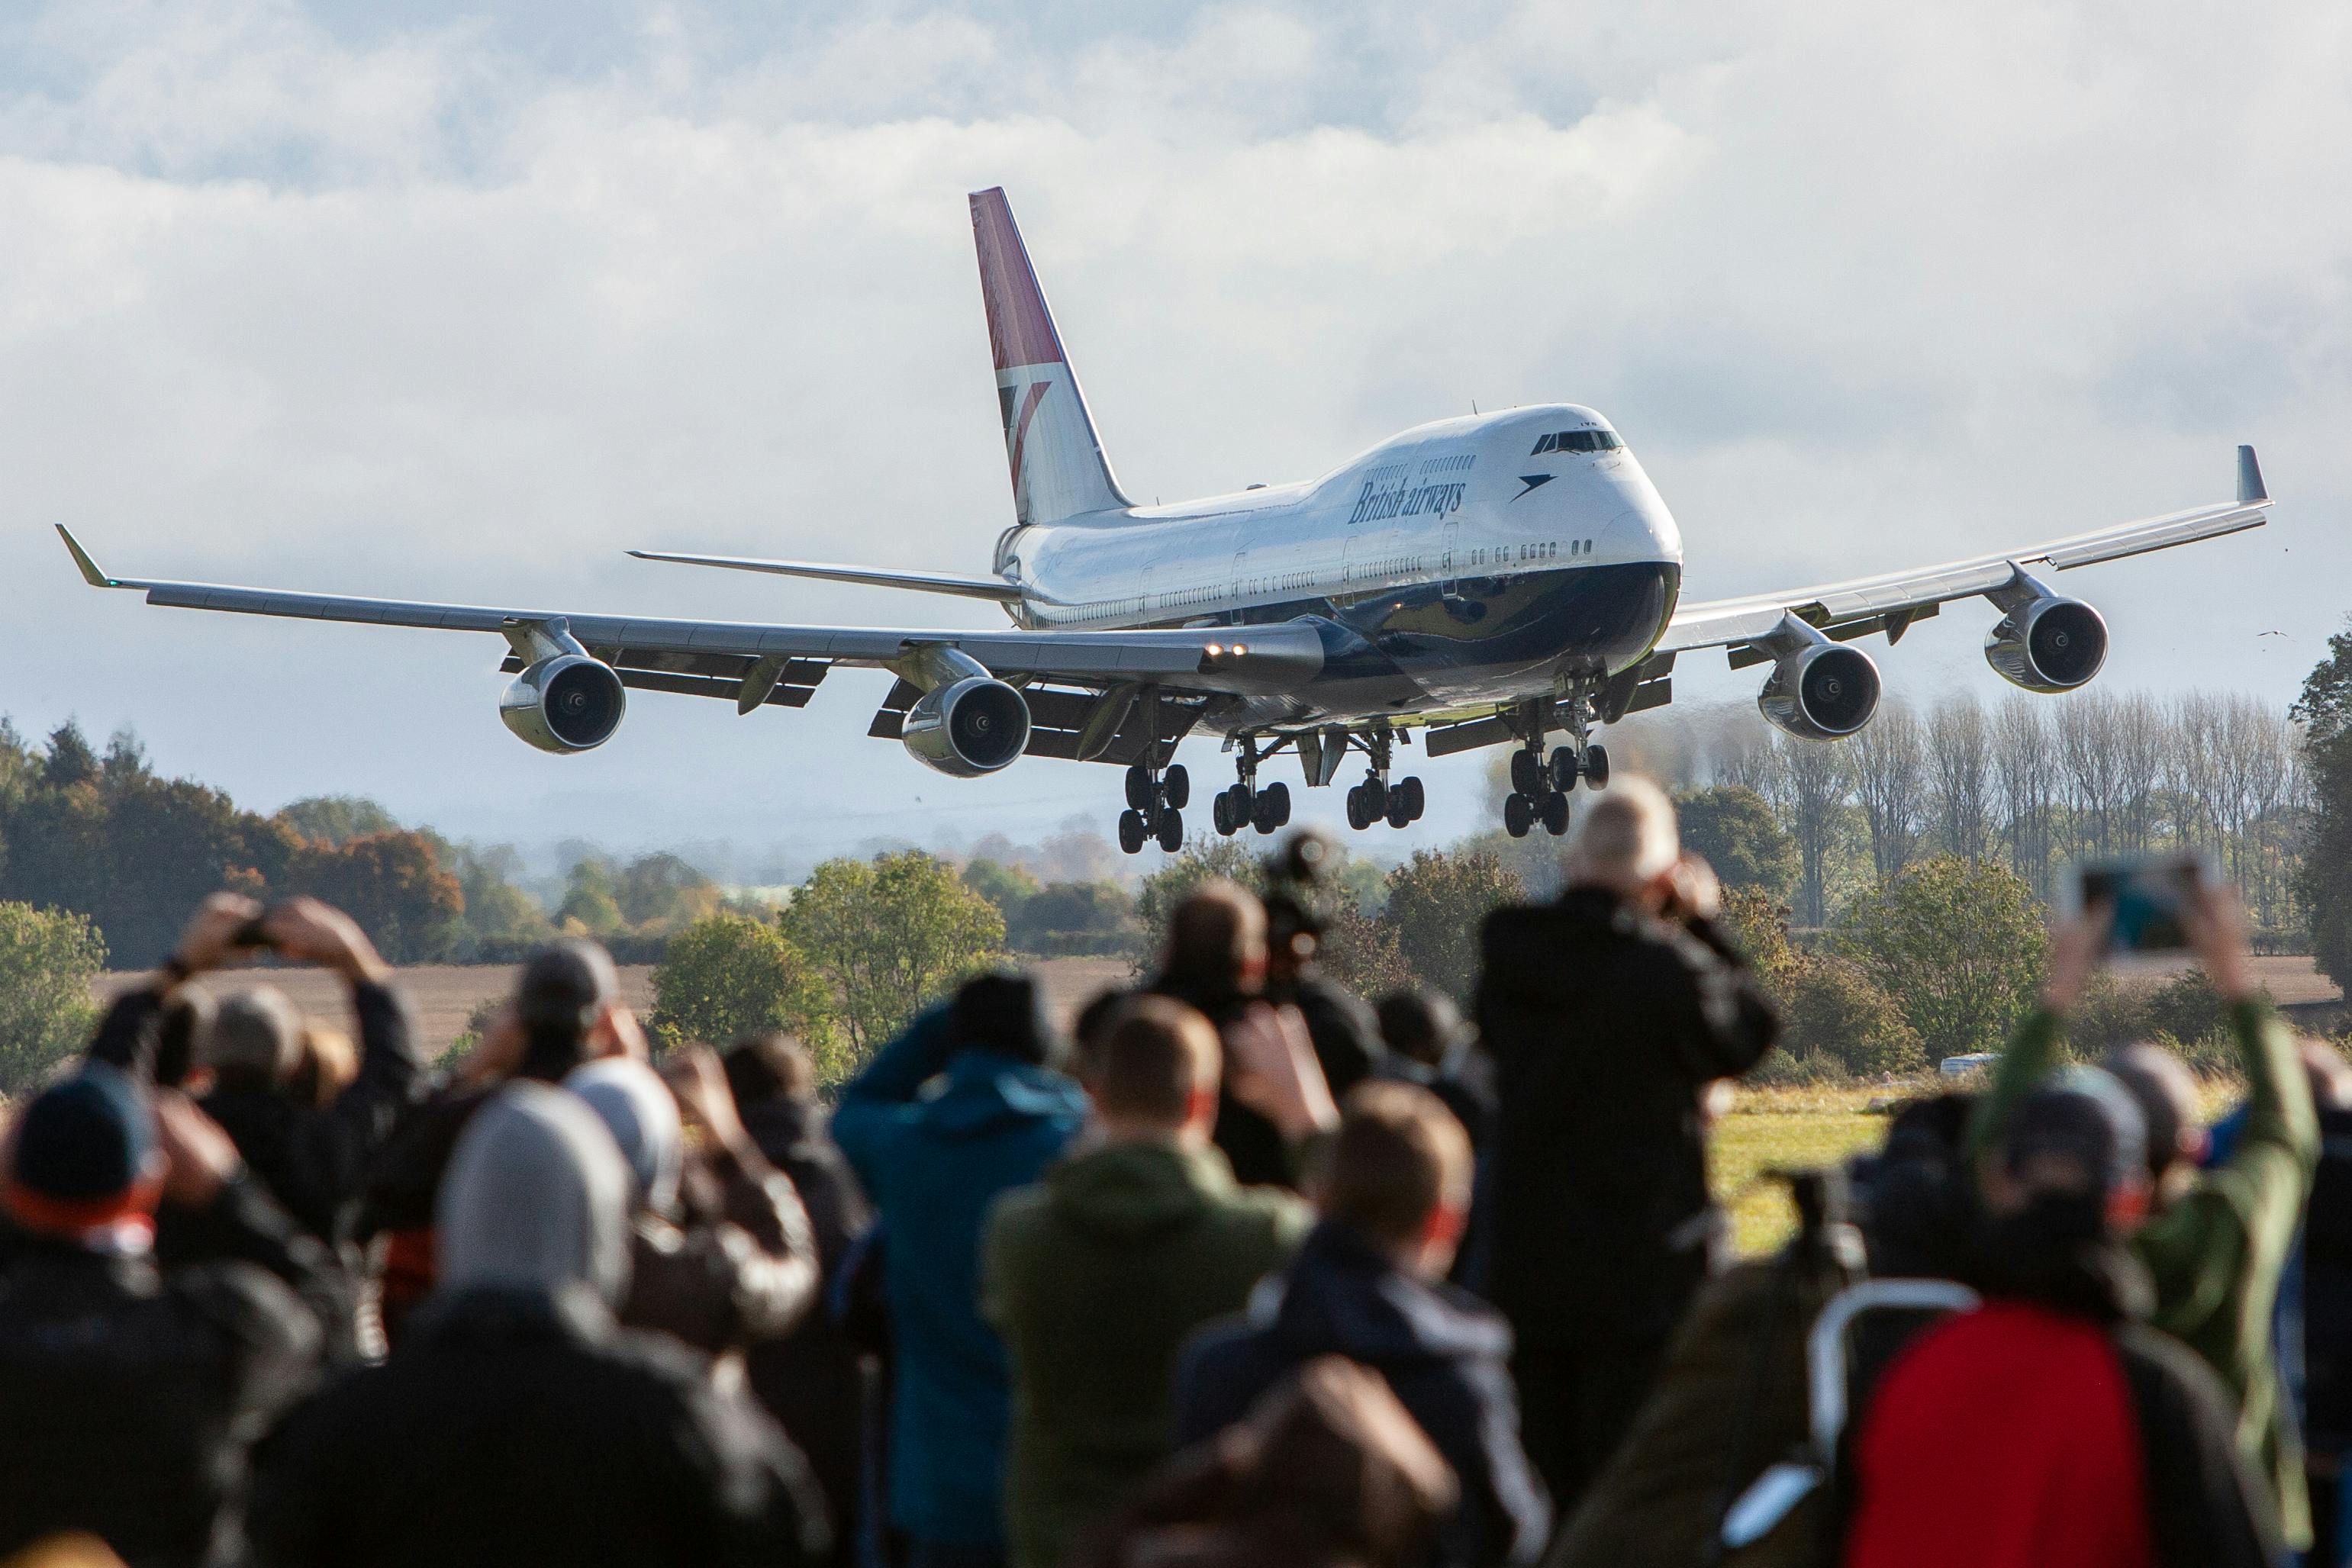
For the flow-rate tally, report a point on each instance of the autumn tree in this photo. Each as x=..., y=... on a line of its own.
x=1179, y=874
x=393, y=884
x=890, y=935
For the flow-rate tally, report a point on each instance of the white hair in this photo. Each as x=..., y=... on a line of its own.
x=1627, y=836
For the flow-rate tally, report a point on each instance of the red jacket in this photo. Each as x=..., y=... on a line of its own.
x=2021, y=1436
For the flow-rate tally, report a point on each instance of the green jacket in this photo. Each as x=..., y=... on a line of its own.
x=2217, y=1250
x=1092, y=1278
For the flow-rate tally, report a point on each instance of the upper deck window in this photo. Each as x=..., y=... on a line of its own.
x=1579, y=441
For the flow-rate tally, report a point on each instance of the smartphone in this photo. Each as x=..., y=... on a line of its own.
x=2148, y=894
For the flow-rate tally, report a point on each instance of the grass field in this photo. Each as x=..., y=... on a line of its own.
x=1788, y=1127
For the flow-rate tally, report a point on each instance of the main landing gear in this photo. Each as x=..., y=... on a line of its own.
x=1246, y=805
x=1376, y=800
x=1540, y=787
x=1156, y=798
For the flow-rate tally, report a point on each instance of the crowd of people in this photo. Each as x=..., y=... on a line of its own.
x=1241, y=1271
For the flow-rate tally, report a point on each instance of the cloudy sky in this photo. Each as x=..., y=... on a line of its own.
x=464, y=304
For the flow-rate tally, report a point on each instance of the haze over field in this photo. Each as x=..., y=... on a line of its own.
x=461, y=307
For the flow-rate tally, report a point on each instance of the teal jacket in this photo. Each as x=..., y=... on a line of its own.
x=932, y=1156
x=2217, y=1250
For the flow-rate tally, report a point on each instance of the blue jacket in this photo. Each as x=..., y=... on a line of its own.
x=1443, y=1352
x=932, y=1164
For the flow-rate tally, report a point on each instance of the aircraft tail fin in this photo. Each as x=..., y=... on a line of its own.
x=1059, y=467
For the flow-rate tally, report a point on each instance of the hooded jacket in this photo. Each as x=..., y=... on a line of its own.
x=932, y=1162
x=1094, y=1277
x=1443, y=1351
x=517, y=1422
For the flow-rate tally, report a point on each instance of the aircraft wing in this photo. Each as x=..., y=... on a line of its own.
x=755, y=663
x=995, y=588
x=1891, y=601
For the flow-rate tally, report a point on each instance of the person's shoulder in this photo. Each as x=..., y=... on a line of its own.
x=1021, y=1217
x=1280, y=1217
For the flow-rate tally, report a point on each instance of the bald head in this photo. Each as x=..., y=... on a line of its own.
x=1627, y=838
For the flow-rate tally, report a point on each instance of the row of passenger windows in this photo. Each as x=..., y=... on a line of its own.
x=1579, y=441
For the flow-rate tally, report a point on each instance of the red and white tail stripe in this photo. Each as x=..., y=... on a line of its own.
x=1057, y=463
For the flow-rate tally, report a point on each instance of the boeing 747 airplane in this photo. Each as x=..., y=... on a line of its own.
x=1498, y=579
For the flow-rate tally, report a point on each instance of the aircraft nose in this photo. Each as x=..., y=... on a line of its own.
x=1646, y=529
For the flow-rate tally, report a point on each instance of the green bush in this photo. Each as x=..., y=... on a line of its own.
x=1837, y=1016
x=729, y=975
x=890, y=935
x=1958, y=942
x=48, y=958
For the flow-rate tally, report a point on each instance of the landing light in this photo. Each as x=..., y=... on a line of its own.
x=1215, y=649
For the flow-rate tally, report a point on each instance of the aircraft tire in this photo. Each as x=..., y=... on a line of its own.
x=1171, y=829
x=1399, y=812
x=1176, y=786
x=1358, y=818
x=1138, y=788
x=1526, y=774
x=1555, y=812
x=1273, y=808
x=1596, y=765
x=1563, y=767
x=1132, y=832
x=1220, y=814
x=1518, y=815
x=1415, y=797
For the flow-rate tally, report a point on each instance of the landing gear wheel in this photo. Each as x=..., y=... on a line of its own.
x=1399, y=815
x=1528, y=775
x=1411, y=791
x=1563, y=767
x=1171, y=829
x=1220, y=814
x=1176, y=786
x=1518, y=815
x=1359, y=815
x=1596, y=764
x=1138, y=788
x=1555, y=812
x=1132, y=832
x=1272, y=809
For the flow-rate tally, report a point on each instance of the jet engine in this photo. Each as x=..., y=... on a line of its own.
x=2048, y=644
x=968, y=728
x=567, y=703
x=1821, y=690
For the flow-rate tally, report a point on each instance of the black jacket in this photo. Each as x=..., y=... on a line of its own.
x=314, y=1158
x=1602, y=1025
x=813, y=1379
x=1441, y=1351
x=132, y=1398
x=509, y=1428
x=1347, y=1036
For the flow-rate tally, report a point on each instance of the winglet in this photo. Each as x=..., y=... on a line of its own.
x=89, y=572
x=2250, y=477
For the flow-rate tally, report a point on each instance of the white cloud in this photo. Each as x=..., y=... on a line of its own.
x=292, y=298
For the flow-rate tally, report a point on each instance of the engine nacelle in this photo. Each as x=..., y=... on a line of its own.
x=565, y=703
x=1822, y=691
x=968, y=728
x=2048, y=644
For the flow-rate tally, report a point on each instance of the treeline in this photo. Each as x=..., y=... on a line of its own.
x=104, y=836
x=2032, y=782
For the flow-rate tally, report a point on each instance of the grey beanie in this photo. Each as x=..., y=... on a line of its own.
x=256, y=1031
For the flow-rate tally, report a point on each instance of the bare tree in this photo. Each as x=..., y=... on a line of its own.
x=1959, y=767
x=2090, y=756
x=2141, y=740
x=2025, y=773
x=1812, y=785
x=1884, y=763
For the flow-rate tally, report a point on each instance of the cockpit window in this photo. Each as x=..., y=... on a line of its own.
x=1579, y=441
